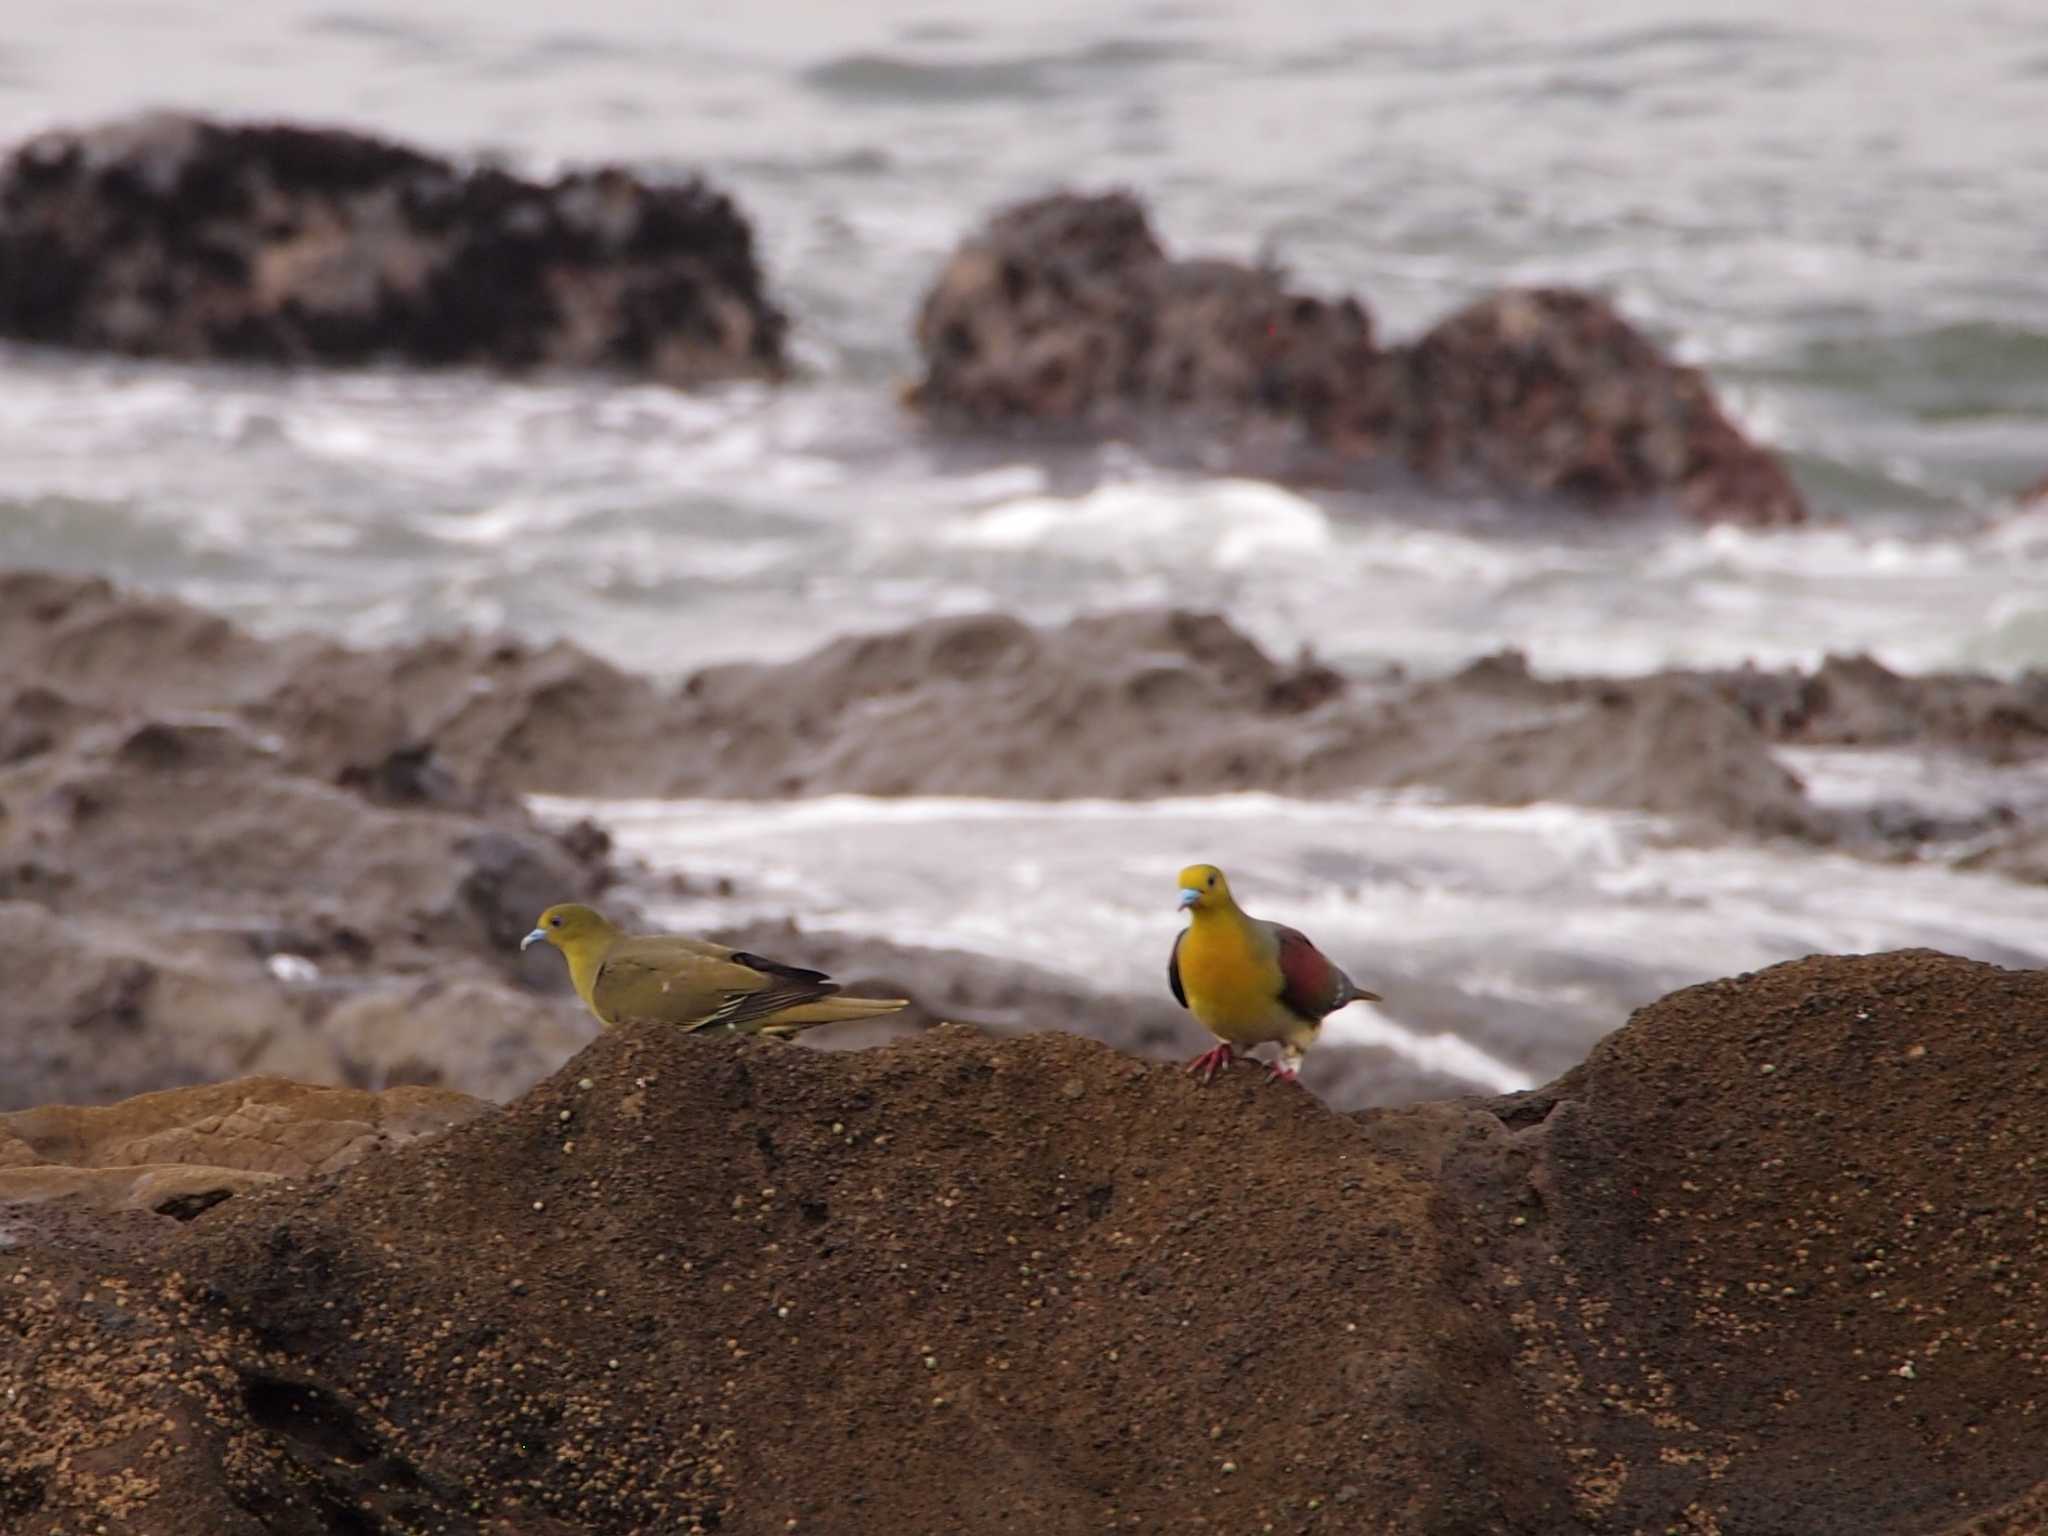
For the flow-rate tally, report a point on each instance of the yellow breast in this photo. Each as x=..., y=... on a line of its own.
x=1231, y=982
x=586, y=959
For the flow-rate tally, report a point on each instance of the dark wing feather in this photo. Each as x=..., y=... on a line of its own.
x=769, y=967
x=1173, y=970
x=786, y=990
x=1311, y=985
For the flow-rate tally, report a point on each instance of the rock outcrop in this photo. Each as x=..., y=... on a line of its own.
x=174, y=236
x=1066, y=314
x=1772, y=1259
x=183, y=1150
x=221, y=854
x=1138, y=703
x=220, y=857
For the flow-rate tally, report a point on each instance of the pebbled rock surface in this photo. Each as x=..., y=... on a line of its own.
x=1066, y=314
x=176, y=236
x=180, y=1151
x=691, y=1285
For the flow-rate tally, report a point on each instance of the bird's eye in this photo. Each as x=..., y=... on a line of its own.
x=554, y=922
x=1212, y=882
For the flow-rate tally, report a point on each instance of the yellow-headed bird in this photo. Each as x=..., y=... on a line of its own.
x=691, y=983
x=1249, y=981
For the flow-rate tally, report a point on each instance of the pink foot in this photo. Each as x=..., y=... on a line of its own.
x=1209, y=1063
x=1280, y=1072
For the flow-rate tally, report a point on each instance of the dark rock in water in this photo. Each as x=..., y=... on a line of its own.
x=1066, y=313
x=1770, y=1260
x=1549, y=390
x=174, y=236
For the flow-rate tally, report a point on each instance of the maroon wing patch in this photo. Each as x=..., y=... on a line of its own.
x=1311, y=984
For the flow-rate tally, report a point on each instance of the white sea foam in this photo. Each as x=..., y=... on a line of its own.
x=1229, y=524
x=1560, y=918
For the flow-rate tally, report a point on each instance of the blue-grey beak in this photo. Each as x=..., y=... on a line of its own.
x=537, y=936
x=1189, y=896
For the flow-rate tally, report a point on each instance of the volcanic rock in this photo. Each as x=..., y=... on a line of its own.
x=174, y=236
x=1066, y=314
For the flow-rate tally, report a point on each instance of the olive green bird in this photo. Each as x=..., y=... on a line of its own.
x=691, y=983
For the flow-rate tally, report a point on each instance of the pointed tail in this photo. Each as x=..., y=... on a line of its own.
x=829, y=1010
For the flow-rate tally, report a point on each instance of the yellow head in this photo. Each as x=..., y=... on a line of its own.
x=1203, y=888
x=568, y=927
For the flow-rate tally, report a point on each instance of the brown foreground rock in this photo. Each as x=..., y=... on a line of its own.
x=1771, y=1260
x=173, y=236
x=1065, y=313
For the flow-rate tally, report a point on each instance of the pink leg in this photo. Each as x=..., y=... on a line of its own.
x=1288, y=1064
x=1206, y=1065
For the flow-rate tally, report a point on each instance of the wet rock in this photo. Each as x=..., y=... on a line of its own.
x=1065, y=314
x=1096, y=706
x=175, y=236
x=1858, y=701
x=227, y=854
x=1804, y=1299
x=1549, y=391
x=2022, y=856
x=1129, y=704
x=96, y=1010
x=198, y=882
x=470, y=1031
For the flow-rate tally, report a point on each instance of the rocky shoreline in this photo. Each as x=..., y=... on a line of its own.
x=1065, y=314
x=222, y=854
x=326, y=1212
x=1767, y=1260
x=175, y=236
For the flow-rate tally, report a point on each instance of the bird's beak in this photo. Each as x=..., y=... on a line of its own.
x=538, y=936
x=1189, y=896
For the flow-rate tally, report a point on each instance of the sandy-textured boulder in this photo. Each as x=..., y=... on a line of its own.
x=174, y=236
x=1065, y=313
x=1771, y=1259
x=183, y=1150
x=1776, y=1256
